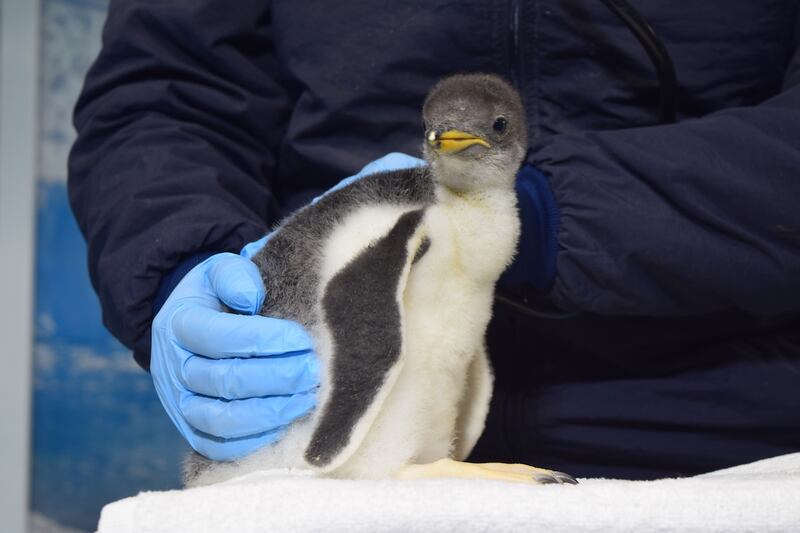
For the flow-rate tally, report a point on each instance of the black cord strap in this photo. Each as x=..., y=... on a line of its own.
x=658, y=55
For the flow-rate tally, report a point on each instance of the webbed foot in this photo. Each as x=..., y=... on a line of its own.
x=516, y=473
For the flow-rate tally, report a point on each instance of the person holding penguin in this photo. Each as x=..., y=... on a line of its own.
x=650, y=324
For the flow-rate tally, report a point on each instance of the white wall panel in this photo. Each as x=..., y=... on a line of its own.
x=19, y=39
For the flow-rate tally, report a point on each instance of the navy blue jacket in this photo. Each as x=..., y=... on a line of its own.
x=203, y=121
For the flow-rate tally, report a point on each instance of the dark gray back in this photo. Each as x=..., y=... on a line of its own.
x=291, y=260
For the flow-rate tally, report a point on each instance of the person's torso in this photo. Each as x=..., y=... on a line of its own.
x=359, y=71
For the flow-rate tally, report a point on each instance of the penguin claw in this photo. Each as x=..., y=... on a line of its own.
x=564, y=478
x=555, y=477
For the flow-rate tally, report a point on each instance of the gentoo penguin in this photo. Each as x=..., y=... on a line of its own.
x=394, y=276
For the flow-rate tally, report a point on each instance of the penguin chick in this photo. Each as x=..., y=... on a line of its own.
x=394, y=277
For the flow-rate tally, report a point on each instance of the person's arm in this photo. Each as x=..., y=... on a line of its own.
x=681, y=219
x=178, y=127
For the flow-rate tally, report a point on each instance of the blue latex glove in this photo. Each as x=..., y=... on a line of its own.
x=231, y=383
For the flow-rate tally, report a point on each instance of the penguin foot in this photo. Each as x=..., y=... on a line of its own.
x=515, y=473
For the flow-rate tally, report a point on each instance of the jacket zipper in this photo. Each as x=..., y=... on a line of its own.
x=513, y=41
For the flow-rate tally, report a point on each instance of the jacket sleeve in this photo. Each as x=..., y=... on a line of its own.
x=681, y=219
x=178, y=126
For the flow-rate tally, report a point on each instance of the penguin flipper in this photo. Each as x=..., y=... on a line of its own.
x=362, y=305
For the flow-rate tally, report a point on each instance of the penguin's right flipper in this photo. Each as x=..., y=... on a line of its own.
x=362, y=305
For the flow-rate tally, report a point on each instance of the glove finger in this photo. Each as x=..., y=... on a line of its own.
x=391, y=161
x=252, y=248
x=237, y=282
x=231, y=419
x=235, y=379
x=341, y=185
x=229, y=449
x=212, y=333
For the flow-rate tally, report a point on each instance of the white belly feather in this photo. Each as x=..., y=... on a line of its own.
x=447, y=306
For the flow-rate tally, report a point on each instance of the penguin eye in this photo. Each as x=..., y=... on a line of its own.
x=500, y=125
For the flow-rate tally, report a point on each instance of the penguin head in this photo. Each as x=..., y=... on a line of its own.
x=475, y=132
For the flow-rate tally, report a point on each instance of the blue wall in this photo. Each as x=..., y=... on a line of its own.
x=99, y=432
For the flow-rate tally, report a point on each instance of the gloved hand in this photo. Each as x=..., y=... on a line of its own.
x=231, y=383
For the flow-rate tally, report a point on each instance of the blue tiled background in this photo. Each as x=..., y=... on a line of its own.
x=99, y=432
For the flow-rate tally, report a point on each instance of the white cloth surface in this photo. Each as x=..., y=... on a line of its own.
x=760, y=497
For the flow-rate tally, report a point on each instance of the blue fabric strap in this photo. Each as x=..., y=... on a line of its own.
x=535, y=263
x=170, y=280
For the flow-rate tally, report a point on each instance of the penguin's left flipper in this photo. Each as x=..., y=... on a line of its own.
x=362, y=307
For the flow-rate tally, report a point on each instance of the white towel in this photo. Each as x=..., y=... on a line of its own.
x=760, y=497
